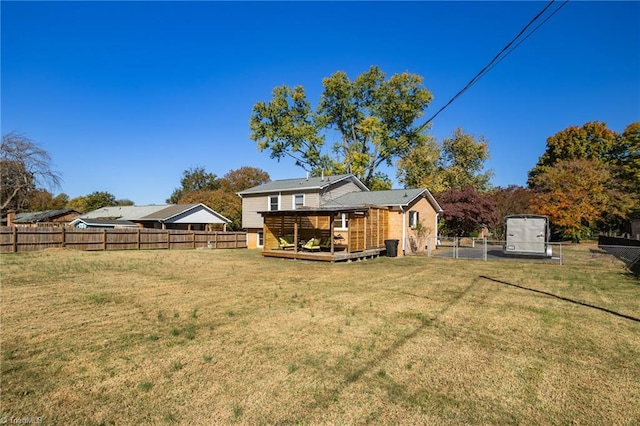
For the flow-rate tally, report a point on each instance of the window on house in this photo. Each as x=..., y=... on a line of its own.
x=298, y=201
x=414, y=219
x=274, y=202
x=342, y=221
x=260, y=242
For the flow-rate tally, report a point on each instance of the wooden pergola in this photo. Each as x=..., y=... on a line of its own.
x=367, y=230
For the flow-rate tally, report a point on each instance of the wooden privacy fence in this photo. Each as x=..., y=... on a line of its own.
x=24, y=239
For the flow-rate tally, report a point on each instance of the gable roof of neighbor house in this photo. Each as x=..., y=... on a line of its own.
x=388, y=198
x=42, y=216
x=104, y=223
x=156, y=213
x=302, y=184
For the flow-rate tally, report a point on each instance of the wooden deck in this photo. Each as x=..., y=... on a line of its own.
x=325, y=256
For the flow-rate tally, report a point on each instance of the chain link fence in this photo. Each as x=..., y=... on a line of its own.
x=485, y=249
x=630, y=255
x=625, y=249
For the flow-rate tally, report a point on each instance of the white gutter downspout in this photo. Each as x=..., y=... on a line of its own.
x=436, y=230
x=404, y=229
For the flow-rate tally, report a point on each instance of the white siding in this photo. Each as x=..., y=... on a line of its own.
x=196, y=215
x=251, y=205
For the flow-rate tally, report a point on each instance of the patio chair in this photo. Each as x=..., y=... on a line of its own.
x=325, y=243
x=286, y=243
x=312, y=245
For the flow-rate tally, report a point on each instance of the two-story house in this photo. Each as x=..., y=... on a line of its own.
x=291, y=194
x=413, y=213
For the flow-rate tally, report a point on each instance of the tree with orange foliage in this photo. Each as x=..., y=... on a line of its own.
x=223, y=197
x=574, y=194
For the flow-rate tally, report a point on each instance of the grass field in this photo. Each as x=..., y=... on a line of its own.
x=229, y=337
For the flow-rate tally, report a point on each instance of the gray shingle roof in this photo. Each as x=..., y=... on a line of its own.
x=105, y=222
x=299, y=184
x=124, y=212
x=392, y=197
x=161, y=212
x=169, y=211
x=31, y=217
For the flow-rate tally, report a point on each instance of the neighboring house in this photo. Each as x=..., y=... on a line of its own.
x=101, y=223
x=44, y=218
x=413, y=214
x=195, y=217
x=291, y=194
x=410, y=210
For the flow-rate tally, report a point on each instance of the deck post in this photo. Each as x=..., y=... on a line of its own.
x=331, y=224
x=295, y=233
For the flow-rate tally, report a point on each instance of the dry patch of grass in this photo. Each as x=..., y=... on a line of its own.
x=210, y=337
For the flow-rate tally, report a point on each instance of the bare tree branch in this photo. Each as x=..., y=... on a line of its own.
x=24, y=169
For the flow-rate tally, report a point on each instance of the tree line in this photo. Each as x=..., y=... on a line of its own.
x=28, y=182
x=587, y=180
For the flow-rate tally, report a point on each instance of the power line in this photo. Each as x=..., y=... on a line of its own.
x=499, y=57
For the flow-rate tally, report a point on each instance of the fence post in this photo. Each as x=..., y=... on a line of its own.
x=455, y=247
x=484, y=248
x=138, y=238
x=104, y=239
x=168, y=240
x=561, y=253
x=15, y=239
x=193, y=239
x=64, y=236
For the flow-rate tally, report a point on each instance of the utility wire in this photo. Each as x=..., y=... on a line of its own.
x=496, y=59
x=530, y=33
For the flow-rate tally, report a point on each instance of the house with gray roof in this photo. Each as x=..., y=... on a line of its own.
x=291, y=194
x=60, y=217
x=412, y=213
x=194, y=217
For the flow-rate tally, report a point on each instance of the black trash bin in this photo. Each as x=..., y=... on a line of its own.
x=392, y=247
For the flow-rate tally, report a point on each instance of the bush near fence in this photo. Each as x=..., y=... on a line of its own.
x=25, y=239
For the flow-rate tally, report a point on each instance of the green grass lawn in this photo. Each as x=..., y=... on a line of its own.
x=230, y=337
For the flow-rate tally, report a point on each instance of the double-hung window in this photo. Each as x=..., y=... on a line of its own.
x=342, y=221
x=298, y=201
x=414, y=219
x=274, y=203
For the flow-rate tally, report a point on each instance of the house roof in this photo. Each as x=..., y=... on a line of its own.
x=389, y=198
x=322, y=210
x=300, y=184
x=104, y=222
x=158, y=213
x=42, y=216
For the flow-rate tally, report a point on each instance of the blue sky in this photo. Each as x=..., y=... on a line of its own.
x=125, y=96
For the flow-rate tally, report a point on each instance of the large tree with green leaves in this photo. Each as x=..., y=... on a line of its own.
x=591, y=141
x=626, y=156
x=93, y=201
x=194, y=179
x=374, y=119
x=457, y=163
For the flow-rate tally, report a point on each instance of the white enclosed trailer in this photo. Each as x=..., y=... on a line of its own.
x=527, y=235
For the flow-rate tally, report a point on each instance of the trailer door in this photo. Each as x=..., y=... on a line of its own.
x=526, y=235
